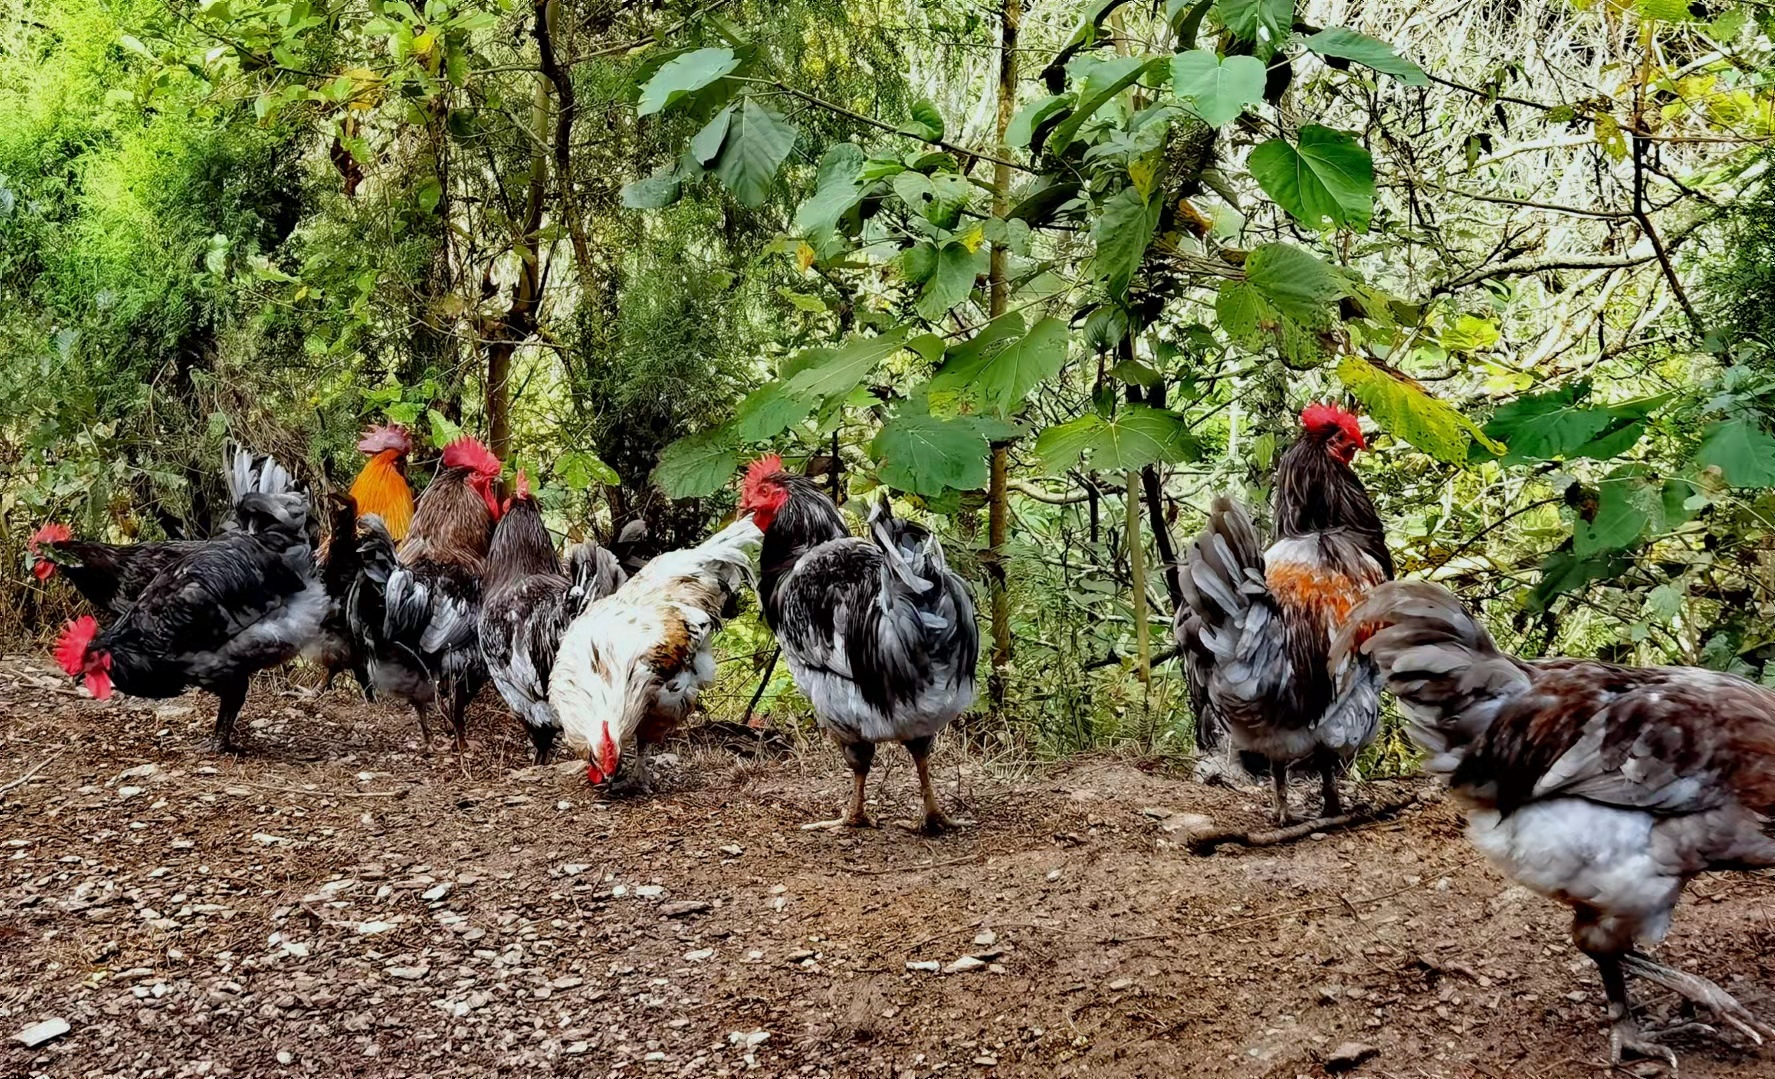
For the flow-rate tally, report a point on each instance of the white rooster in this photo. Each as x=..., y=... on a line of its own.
x=632, y=665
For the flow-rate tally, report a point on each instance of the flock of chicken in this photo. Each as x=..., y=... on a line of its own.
x=1605, y=787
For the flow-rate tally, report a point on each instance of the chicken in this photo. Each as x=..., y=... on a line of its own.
x=631, y=666
x=414, y=609
x=237, y=604
x=527, y=603
x=109, y=575
x=334, y=647
x=878, y=633
x=381, y=485
x=1605, y=787
x=1256, y=626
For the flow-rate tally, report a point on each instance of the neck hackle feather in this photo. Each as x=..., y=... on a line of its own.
x=382, y=490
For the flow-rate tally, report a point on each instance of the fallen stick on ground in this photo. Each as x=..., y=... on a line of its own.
x=1207, y=842
x=26, y=778
x=321, y=793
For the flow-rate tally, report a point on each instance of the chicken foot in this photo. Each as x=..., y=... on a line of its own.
x=935, y=821
x=229, y=700
x=424, y=711
x=1703, y=992
x=860, y=756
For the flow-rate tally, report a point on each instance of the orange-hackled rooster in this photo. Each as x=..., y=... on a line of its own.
x=381, y=485
x=1257, y=625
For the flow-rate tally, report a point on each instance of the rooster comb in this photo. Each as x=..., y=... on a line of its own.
x=1321, y=419
x=70, y=648
x=49, y=533
x=758, y=473
x=387, y=436
x=468, y=452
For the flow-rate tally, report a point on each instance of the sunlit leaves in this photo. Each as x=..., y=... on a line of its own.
x=1098, y=81
x=1121, y=232
x=1294, y=280
x=1216, y=89
x=840, y=370
x=1618, y=522
x=1346, y=44
x=1251, y=19
x=1742, y=451
x=684, y=75
x=926, y=123
x=578, y=470
x=1002, y=363
x=1325, y=180
x=1136, y=436
x=1405, y=410
x=837, y=191
x=1031, y=117
x=952, y=278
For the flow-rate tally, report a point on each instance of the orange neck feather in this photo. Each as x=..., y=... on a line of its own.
x=381, y=489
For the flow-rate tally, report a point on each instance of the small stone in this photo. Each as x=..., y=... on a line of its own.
x=568, y=981
x=140, y=771
x=986, y=1060
x=748, y=1041
x=285, y=1057
x=929, y=966
x=1120, y=984
x=1156, y=812
x=578, y=1048
x=986, y=938
x=733, y=850
x=649, y=891
x=681, y=908
x=699, y=955
x=1053, y=874
x=437, y=892
x=408, y=974
x=574, y=869
x=965, y=965
x=126, y=793
x=1350, y=1055
x=39, y=1033
x=799, y=954
x=369, y=929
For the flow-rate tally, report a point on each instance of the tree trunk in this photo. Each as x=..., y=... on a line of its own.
x=1143, y=648
x=998, y=515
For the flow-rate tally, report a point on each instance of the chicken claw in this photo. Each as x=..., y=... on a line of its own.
x=1702, y=992
x=849, y=820
x=935, y=824
x=1626, y=1037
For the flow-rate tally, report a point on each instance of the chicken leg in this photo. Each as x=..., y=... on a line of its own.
x=1279, y=792
x=424, y=710
x=935, y=821
x=859, y=756
x=1333, y=803
x=543, y=739
x=230, y=698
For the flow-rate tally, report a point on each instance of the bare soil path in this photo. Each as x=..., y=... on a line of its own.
x=335, y=904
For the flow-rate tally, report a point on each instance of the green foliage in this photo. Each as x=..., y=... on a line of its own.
x=1346, y=44
x=1324, y=179
x=1217, y=89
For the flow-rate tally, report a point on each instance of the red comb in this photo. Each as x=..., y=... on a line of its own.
x=763, y=468
x=468, y=452
x=1322, y=419
x=389, y=436
x=50, y=533
x=70, y=648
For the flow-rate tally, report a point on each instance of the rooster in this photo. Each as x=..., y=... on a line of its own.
x=381, y=485
x=334, y=647
x=109, y=575
x=1605, y=787
x=526, y=605
x=248, y=600
x=631, y=666
x=877, y=632
x=413, y=609
x=1257, y=625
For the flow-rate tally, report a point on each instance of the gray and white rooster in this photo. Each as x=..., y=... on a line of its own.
x=878, y=633
x=527, y=603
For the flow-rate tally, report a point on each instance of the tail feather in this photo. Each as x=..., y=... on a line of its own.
x=594, y=573
x=1450, y=677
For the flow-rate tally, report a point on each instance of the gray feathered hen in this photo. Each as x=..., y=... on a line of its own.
x=1605, y=787
x=877, y=632
x=527, y=603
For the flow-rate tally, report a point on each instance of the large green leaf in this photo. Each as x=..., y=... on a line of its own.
x=1558, y=424
x=1099, y=80
x=1326, y=180
x=926, y=123
x=1002, y=364
x=1619, y=520
x=1030, y=117
x=659, y=190
x=697, y=465
x=1742, y=451
x=925, y=454
x=1299, y=284
x=757, y=143
x=684, y=75
x=1246, y=17
x=768, y=411
x=1137, y=436
x=840, y=370
x=1346, y=44
x=579, y=469
x=1122, y=231
x=837, y=190
x=951, y=280
x=1404, y=409
x=1217, y=90
x=1243, y=313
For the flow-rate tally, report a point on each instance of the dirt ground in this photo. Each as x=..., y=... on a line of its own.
x=335, y=904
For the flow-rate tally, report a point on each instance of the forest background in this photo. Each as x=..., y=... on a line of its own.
x=1054, y=273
